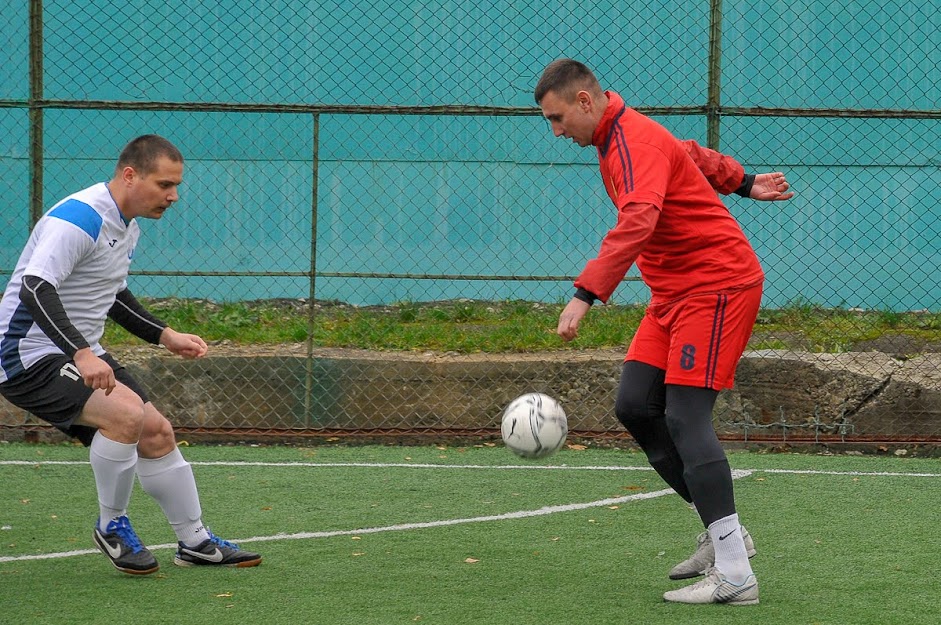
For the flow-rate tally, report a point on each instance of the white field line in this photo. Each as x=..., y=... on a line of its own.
x=531, y=467
x=374, y=530
x=522, y=514
x=736, y=473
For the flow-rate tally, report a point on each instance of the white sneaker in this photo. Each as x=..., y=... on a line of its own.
x=715, y=588
x=704, y=558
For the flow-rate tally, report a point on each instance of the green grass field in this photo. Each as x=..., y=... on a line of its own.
x=453, y=535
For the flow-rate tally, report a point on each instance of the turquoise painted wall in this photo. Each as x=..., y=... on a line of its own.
x=482, y=195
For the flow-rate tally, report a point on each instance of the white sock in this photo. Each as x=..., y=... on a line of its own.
x=113, y=465
x=169, y=480
x=731, y=557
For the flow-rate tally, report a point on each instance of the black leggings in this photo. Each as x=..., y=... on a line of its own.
x=673, y=425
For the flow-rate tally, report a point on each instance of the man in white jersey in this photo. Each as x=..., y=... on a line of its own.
x=71, y=276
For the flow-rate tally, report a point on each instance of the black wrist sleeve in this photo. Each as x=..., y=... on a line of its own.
x=44, y=306
x=747, y=183
x=585, y=296
x=128, y=313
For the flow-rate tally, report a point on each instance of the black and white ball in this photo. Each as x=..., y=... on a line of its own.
x=534, y=426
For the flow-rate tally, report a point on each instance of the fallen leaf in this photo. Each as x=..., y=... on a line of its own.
x=471, y=560
x=613, y=507
x=576, y=447
x=359, y=553
x=356, y=537
x=266, y=507
x=224, y=594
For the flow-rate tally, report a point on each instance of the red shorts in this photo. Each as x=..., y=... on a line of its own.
x=698, y=340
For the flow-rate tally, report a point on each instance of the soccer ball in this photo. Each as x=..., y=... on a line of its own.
x=534, y=426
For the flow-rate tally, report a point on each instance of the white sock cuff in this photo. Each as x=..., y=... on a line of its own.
x=108, y=449
x=730, y=521
x=147, y=467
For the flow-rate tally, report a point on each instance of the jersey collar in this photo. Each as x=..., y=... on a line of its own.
x=603, y=133
x=127, y=222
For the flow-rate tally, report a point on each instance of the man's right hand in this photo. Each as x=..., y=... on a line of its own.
x=571, y=315
x=96, y=373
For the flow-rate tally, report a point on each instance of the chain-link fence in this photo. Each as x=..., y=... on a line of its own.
x=373, y=153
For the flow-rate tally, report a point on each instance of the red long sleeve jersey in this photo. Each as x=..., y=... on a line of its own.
x=670, y=220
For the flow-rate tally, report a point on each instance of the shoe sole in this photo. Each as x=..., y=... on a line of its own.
x=733, y=603
x=239, y=565
x=123, y=569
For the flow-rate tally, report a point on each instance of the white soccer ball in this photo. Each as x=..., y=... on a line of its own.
x=534, y=426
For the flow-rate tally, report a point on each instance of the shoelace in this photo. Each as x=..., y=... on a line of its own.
x=122, y=527
x=221, y=542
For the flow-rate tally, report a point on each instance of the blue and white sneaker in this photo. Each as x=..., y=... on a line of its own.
x=215, y=552
x=124, y=548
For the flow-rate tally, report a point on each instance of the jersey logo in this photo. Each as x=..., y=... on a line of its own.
x=69, y=370
x=113, y=241
x=688, y=357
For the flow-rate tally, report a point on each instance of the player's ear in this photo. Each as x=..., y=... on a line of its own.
x=128, y=174
x=584, y=100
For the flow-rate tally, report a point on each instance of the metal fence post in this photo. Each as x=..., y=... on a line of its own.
x=35, y=111
x=715, y=74
x=311, y=300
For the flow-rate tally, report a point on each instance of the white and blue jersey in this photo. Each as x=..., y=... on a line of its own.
x=83, y=246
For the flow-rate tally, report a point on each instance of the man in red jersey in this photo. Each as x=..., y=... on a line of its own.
x=705, y=282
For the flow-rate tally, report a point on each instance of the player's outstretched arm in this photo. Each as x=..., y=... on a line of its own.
x=770, y=187
x=185, y=345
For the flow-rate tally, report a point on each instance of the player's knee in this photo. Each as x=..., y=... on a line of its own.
x=640, y=398
x=122, y=419
x=631, y=417
x=157, y=437
x=633, y=409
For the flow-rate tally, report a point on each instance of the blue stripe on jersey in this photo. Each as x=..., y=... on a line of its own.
x=624, y=153
x=80, y=214
x=20, y=323
x=614, y=125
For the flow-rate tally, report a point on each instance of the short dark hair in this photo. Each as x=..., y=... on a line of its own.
x=142, y=153
x=566, y=77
